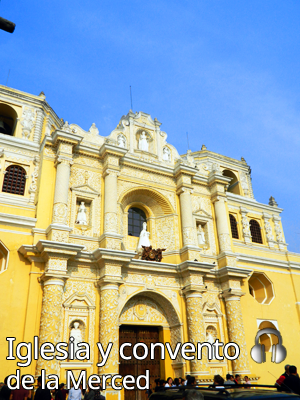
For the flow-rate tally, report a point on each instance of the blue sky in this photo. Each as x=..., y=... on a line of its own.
x=225, y=71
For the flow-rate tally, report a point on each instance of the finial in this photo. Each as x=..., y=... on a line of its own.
x=203, y=147
x=272, y=202
x=242, y=159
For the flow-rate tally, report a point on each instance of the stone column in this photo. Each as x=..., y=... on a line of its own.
x=60, y=206
x=196, y=330
x=187, y=221
x=236, y=332
x=222, y=224
x=109, y=326
x=38, y=126
x=268, y=230
x=110, y=201
x=51, y=320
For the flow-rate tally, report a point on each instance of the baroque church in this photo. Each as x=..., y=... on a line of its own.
x=73, y=204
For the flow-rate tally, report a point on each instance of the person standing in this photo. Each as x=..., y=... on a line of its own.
x=229, y=380
x=21, y=393
x=292, y=382
x=42, y=394
x=74, y=394
x=5, y=392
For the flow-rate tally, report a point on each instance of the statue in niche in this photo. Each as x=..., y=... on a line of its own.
x=201, y=234
x=209, y=338
x=121, y=141
x=81, y=216
x=143, y=142
x=144, y=238
x=77, y=335
x=166, y=154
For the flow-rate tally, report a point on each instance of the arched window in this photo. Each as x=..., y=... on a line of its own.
x=234, y=186
x=8, y=117
x=136, y=217
x=14, y=180
x=233, y=224
x=255, y=231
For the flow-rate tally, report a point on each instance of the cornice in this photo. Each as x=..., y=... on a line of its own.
x=152, y=267
x=67, y=137
x=183, y=169
x=30, y=98
x=270, y=262
x=22, y=144
x=17, y=220
x=109, y=148
x=252, y=203
x=214, y=178
x=145, y=166
x=232, y=272
x=199, y=179
x=108, y=255
x=203, y=154
x=196, y=267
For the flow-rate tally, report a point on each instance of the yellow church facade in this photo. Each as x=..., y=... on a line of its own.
x=72, y=205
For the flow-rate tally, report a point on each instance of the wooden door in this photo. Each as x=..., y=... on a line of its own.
x=139, y=334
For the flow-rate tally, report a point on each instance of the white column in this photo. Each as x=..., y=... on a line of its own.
x=110, y=201
x=60, y=206
x=187, y=221
x=38, y=126
x=222, y=224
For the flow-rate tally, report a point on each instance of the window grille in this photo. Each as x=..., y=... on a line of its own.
x=233, y=224
x=136, y=217
x=14, y=180
x=255, y=231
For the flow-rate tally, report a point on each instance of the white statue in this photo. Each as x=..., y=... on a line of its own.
x=121, y=141
x=143, y=142
x=166, y=154
x=210, y=339
x=144, y=238
x=81, y=216
x=201, y=235
x=77, y=335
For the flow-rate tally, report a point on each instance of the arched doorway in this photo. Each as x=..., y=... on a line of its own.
x=148, y=317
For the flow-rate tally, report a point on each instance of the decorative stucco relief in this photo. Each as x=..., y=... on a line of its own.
x=165, y=234
x=143, y=309
x=147, y=176
x=73, y=286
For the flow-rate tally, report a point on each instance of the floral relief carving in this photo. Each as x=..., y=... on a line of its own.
x=165, y=235
x=278, y=231
x=73, y=286
x=109, y=328
x=56, y=264
x=269, y=232
x=188, y=235
x=60, y=211
x=143, y=309
x=246, y=226
x=60, y=236
x=225, y=242
x=111, y=222
x=34, y=176
x=236, y=334
x=196, y=329
x=27, y=122
x=147, y=176
x=50, y=324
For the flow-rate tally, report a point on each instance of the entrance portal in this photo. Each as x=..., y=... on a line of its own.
x=135, y=334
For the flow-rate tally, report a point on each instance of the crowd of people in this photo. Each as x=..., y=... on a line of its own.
x=288, y=381
x=46, y=394
x=219, y=382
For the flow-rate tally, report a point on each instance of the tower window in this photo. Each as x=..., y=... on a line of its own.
x=233, y=225
x=8, y=118
x=136, y=218
x=255, y=231
x=14, y=180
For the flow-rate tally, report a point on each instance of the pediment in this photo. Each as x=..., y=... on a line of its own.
x=85, y=188
x=78, y=300
x=200, y=211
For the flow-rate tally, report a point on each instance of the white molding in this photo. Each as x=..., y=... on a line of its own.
x=252, y=203
x=15, y=232
x=16, y=200
x=15, y=142
x=17, y=220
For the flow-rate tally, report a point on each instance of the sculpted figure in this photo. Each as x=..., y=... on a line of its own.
x=121, y=141
x=166, y=154
x=143, y=142
x=144, y=238
x=81, y=216
x=76, y=334
x=201, y=235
